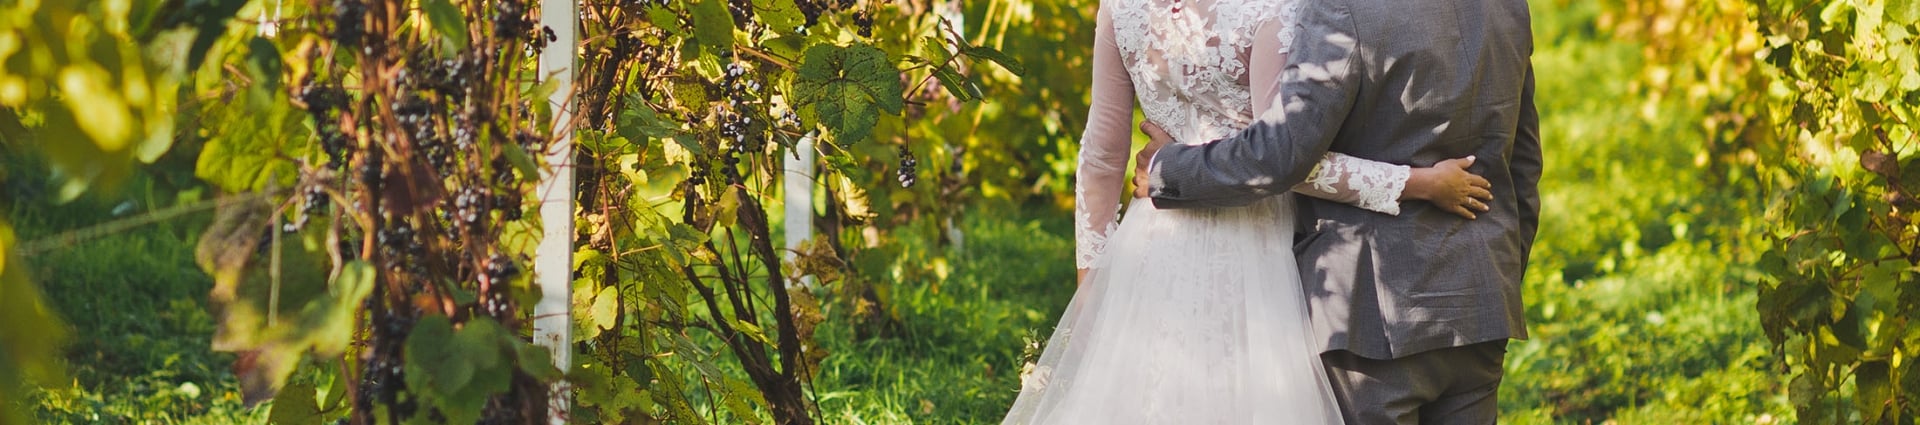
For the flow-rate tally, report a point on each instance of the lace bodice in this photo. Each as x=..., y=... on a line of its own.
x=1202, y=70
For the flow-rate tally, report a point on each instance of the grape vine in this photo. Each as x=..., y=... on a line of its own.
x=1813, y=104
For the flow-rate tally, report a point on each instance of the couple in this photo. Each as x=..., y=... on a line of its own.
x=1221, y=303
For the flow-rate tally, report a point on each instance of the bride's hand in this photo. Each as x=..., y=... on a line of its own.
x=1450, y=186
x=1158, y=138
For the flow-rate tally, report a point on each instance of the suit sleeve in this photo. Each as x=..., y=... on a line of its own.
x=1526, y=163
x=1105, y=147
x=1368, y=184
x=1279, y=151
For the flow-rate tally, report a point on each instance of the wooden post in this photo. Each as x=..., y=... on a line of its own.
x=553, y=259
x=799, y=199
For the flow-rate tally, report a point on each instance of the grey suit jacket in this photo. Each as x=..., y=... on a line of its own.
x=1408, y=82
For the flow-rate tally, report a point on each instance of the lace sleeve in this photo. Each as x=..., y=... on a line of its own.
x=1368, y=184
x=1104, y=147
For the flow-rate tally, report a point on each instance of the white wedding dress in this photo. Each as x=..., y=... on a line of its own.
x=1189, y=316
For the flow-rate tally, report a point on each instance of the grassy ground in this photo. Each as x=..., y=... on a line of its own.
x=957, y=358
x=134, y=300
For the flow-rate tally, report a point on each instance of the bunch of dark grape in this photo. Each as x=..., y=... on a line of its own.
x=349, y=22
x=812, y=9
x=788, y=119
x=529, y=140
x=734, y=128
x=907, y=164
x=864, y=20
x=415, y=116
x=462, y=130
x=736, y=122
x=451, y=77
x=383, y=379
x=499, y=270
x=731, y=170
x=373, y=173
x=469, y=205
x=324, y=102
x=313, y=198
x=742, y=11
x=400, y=241
x=546, y=37
x=697, y=175
x=510, y=22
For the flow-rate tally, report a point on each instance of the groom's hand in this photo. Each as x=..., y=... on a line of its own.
x=1142, y=161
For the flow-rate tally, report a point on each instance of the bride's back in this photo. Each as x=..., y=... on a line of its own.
x=1189, y=59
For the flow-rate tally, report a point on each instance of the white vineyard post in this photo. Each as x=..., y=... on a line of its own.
x=553, y=259
x=799, y=188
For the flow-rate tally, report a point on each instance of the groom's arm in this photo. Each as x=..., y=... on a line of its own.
x=1526, y=163
x=1279, y=150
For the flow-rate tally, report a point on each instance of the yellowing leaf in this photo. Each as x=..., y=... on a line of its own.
x=606, y=308
x=87, y=90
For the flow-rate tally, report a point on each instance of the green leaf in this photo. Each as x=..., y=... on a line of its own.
x=295, y=406
x=936, y=51
x=992, y=54
x=956, y=84
x=713, y=25
x=332, y=335
x=536, y=361
x=663, y=18
x=786, y=46
x=1903, y=10
x=845, y=89
x=209, y=33
x=479, y=342
x=520, y=159
x=782, y=16
x=431, y=361
x=639, y=121
x=265, y=58
x=336, y=389
x=752, y=331
x=448, y=21
x=1875, y=392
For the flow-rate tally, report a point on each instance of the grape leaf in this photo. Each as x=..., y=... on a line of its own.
x=606, y=309
x=266, y=61
x=991, y=54
x=713, y=25
x=783, y=16
x=295, y=406
x=639, y=121
x=430, y=361
x=846, y=88
x=447, y=20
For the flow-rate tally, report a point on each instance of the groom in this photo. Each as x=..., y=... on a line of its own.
x=1414, y=310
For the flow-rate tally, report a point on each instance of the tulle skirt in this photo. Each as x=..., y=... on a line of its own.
x=1190, y=317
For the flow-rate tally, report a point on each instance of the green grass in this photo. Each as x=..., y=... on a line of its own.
x=134, y=301
x=956, y=358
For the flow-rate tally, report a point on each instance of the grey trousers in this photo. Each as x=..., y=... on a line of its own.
x=1447, y=386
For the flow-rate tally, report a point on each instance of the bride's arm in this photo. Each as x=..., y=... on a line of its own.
x=1104, y=148
x=1373, y=185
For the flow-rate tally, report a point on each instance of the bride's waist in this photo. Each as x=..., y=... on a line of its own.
x=1271, y=205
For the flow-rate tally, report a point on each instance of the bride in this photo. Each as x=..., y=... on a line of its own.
x=1197, y=316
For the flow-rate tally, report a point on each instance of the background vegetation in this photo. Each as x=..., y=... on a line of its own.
x=1727, y=233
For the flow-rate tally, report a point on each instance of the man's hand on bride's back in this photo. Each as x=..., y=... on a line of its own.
x=1143, y=159
x=1451, y=187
